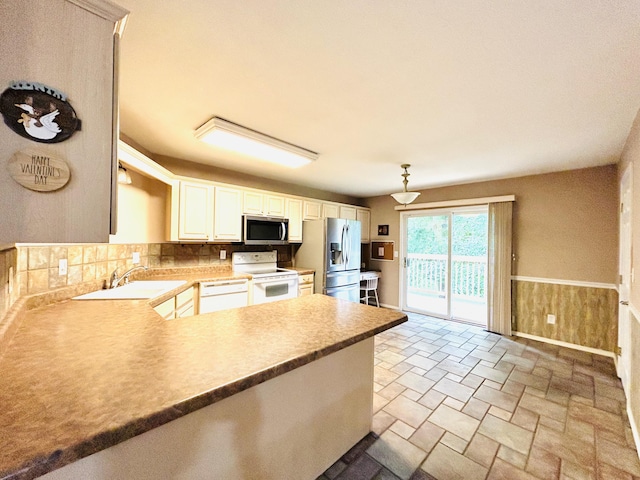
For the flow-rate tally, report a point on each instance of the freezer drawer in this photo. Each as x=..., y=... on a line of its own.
x=338, y=279
x=347, y=292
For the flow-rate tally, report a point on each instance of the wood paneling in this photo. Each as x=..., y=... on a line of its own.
x=586, y=316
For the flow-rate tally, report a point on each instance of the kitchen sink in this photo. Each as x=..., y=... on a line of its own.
x=134, y=290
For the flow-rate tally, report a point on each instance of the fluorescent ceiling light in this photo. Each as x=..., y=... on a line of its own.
x=228, y=135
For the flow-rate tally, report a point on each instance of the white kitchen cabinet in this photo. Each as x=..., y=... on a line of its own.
x=294, y=214
x=275, y=206
x=305, y=284
x=363, y=215
x=227, y=218
x=185, y=304
x=180, y=306
x=252, y=203
x=330, y=210
x=256, y=203
x=312, y=210
x=195, y=211
x=348, y=212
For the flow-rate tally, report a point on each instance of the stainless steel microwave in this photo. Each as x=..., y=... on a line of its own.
x=265, y=230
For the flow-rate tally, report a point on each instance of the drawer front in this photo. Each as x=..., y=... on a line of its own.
x=306, y=290
x=305, y=278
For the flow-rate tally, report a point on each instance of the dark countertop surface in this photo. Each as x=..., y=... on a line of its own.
x=81, y=376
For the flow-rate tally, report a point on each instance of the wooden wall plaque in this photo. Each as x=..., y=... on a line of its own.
x=39, y=171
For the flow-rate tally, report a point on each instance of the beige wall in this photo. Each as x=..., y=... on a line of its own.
x=565, y=225
x=142, y=210
x=207, y=172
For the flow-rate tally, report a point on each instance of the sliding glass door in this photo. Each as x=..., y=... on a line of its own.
x=445, y=263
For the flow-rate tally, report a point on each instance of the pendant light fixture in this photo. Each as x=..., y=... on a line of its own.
x=405, y=197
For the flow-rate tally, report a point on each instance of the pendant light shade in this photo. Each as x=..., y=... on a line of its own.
x=405, y=197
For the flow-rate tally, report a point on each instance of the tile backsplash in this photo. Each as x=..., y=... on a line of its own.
x=9, y=285
x=37, y=268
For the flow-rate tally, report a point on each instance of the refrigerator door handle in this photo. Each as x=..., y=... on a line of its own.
x=343, y=240
x=347, y=247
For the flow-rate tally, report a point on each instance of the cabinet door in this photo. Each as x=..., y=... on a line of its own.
x=294, y=213
x=347, y=212
x=194, y=221
x=364, y=216
x=275, y=206
x=312, y=210
x=330, y=210
x=185, y=306
x=305, y=290
x=252, y=204
x=227, y=219
x=167, y=309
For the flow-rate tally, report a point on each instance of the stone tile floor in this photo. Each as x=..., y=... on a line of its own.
x=453, y=401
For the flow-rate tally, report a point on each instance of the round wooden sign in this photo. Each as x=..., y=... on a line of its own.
x=39, y=171
x=38, y=112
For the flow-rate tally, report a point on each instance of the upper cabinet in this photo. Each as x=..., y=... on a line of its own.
x=193, y=203
x=330, y=210
x=78, y=68
x=200, y=211
x=348, y=212
x=252, y=204
x=256, y=203
x=312, y=210
x=275, y=206
x=227, y=218
x=363, y=215
x=294, y=214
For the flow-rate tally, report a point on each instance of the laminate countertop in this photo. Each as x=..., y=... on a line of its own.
x=80, y=376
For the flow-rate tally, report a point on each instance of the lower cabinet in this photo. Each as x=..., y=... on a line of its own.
x=180, y=306
x=305, y=284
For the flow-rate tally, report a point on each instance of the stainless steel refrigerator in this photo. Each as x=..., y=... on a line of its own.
x=331, y=247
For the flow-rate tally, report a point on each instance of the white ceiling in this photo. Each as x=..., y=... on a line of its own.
x=463, y=90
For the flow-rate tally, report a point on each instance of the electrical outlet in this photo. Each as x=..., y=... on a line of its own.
x=62, y=266
x=136, y=258
x=223, y=254
x=551, y=319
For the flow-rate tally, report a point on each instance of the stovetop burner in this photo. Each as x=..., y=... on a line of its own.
x=259, y=264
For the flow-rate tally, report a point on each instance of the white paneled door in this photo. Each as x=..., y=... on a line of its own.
x=624, y=314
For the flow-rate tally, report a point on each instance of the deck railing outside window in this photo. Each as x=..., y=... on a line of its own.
x=427, y=275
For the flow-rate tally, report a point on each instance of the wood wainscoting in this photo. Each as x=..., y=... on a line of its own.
x=586, y=314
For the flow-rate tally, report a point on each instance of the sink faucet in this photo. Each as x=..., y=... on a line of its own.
x=115, y=280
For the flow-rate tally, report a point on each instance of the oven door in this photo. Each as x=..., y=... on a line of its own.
x=267, y=290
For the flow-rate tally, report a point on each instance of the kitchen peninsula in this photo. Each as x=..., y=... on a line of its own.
x=108, y=389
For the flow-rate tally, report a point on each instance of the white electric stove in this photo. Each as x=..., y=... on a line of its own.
x=269, y=283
